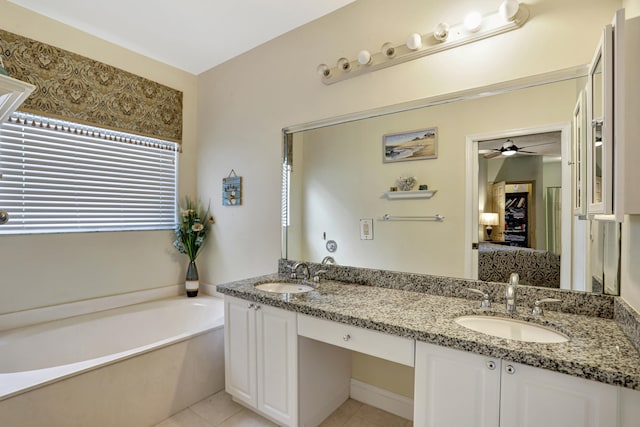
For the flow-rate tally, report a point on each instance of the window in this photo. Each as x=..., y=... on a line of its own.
x=59, y=176
x=287, y=162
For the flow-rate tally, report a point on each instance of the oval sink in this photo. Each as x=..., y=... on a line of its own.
x=511, y=329
x=284, y=287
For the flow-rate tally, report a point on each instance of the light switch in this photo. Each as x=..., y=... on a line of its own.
x=366, y=229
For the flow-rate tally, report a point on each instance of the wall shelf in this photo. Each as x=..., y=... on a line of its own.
x=420, y=194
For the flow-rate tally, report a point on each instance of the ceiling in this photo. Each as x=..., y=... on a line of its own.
x=542, y=144
x=192, y=35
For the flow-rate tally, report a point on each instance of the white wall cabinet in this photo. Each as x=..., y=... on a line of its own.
x=600, y=142
x=456, y=388
x=12, y=94
x=261, y=358
x=612, y=107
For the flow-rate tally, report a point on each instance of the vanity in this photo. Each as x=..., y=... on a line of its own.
x=288, y=355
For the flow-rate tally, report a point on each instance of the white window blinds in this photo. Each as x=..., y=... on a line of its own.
x=59, y=176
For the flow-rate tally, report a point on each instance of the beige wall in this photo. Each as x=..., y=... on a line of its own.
x=632, y=8
x=42, y=270
x=381, y=373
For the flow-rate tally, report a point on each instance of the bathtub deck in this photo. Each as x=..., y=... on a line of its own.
x=220, y=411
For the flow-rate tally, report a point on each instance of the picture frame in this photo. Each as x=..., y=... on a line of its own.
x=232, y=190
x=418, y=144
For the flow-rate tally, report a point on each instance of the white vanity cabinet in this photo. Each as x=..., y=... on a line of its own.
x=384, y=346
x=261, y=358
x=533, y=397
x=457, y=388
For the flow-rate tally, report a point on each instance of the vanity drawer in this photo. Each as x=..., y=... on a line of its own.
x=384, y=346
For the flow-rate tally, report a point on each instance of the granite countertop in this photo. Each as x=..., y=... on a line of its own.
x=597, y=349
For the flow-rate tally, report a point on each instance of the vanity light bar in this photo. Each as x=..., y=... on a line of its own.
x=443, y=38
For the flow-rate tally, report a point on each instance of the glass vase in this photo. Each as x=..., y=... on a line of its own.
x=192, y=282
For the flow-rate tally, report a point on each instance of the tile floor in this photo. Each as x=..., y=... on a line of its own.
x=220, y=411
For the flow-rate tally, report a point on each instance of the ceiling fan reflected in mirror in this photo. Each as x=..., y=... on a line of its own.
x=508, y=149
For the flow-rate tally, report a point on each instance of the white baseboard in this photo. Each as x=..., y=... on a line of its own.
x=382, y=399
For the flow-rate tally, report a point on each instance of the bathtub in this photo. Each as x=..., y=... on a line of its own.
x=134, y=365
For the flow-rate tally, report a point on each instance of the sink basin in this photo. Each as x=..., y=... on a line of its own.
x=511, y=329
x=284, y=287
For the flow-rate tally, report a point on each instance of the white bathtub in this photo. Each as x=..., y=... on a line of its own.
x=178, y=337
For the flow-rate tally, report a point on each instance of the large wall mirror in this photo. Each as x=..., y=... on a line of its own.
x=342, y=198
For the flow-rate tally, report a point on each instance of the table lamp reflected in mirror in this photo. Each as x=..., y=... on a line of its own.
x=488, y=219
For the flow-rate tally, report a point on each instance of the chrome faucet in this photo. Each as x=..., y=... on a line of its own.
x=510, y=294
x=328, y=260
x=486, y=302
x=537, y=307
x=316, y=275
x=305, y=270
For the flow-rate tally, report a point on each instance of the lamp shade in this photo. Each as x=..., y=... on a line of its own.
x=489, y=219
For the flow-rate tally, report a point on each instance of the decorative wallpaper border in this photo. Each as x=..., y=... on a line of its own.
x=76, y=88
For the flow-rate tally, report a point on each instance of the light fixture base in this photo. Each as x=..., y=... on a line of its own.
x=456, y=35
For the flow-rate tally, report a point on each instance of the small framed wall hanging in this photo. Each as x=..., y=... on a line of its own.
x=232, y=190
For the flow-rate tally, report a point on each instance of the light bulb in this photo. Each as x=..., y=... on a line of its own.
x=473, y=21
x=344, y=64
x=509, y=9
x=364, y=57
x=324, y=70
x=388, y=50
x=441, y=32
x=508, y=153
x=414, y=41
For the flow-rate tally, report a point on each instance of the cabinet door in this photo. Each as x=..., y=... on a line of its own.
x=600, y=129
x=498, y=190
x=627, y=110
x=277, y=360
x=579, y=156
x=533, y=397
x=629, y=407
x=455, y=388
x=240, y=350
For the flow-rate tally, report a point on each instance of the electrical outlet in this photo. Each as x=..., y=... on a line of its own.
x=366, y=229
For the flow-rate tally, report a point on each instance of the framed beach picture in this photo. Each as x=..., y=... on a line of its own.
x=414, y=145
